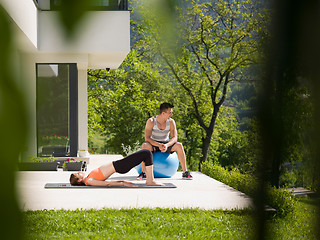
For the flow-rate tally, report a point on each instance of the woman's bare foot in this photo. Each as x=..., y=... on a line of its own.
x=154, y=183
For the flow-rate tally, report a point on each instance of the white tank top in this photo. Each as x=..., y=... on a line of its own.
x=158, y=134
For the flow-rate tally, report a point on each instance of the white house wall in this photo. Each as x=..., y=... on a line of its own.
x=98, y=31
x=82, y=109
x=110, y=60
x=28, y=78
x=102, y=41
x=104, y=36
x=25, y=15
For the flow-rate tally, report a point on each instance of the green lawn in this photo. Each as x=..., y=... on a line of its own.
x=298, y=225
x=163, y=224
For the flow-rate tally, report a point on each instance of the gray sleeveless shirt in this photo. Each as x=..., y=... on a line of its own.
x=158, y=134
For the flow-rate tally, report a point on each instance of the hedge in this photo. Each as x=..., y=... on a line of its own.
x=280, y=199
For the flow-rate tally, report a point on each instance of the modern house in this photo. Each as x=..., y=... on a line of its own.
x=53, y=68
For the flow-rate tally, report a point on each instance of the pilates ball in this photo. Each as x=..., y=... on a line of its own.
x=165, y=165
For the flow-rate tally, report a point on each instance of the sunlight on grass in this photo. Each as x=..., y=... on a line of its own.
x=138, y=224
x=165, y=224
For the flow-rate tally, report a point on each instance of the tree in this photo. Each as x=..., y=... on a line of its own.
x=121, y=100
x=230, y=142
x=217, y=41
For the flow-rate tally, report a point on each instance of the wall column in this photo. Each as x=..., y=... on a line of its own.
x=82, y=109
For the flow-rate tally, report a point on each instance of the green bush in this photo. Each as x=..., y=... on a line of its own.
x=41, y=159
x=242, y=182
x=289, y=179
x=280, y=199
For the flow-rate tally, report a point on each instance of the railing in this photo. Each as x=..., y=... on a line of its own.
x=95, y=5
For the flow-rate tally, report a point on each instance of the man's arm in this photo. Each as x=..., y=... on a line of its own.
x=148, y=133
x=173, y=133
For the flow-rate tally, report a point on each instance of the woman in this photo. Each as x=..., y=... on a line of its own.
x=98, y=176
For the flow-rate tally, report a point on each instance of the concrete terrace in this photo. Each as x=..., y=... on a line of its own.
x=202, y=192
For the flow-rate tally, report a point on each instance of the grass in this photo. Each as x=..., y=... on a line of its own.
x=164, y=224
x=137, y=224
x=298, y=225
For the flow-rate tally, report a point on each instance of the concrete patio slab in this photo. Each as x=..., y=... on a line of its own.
x=202, y=192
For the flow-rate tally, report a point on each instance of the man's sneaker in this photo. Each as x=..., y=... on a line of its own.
x=142, y=176
x=186, y=175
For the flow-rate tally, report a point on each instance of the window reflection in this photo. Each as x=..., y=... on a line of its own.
x=53, y=135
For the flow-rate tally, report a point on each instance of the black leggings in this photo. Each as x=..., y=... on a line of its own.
x=126, y=164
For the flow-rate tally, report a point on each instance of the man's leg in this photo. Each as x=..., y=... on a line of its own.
x=178, y=147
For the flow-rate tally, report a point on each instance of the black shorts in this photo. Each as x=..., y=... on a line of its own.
x=157, y=149
x=126, y=164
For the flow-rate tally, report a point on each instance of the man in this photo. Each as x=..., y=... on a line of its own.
x=157, y=133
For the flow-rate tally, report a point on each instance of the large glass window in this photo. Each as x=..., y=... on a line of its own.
x=56, y=110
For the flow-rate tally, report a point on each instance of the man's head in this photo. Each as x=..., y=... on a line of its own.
x=166, y=110
x=165, y=106
x=76, y=179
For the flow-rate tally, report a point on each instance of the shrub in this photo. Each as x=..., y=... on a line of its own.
x=280, y=199
x=41, y=159
x=289, y=179
x=242, y=182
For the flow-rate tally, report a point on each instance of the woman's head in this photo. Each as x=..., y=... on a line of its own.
x=76, y=179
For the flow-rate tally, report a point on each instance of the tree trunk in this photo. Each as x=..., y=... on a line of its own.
x=205, y=148
x=275, y=172
x=207, y=139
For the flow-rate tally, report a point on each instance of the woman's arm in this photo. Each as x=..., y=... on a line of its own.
x=109, y=183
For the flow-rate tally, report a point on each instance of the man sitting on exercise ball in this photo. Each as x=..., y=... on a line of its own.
x=157, y=133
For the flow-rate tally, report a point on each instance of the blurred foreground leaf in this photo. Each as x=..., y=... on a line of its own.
x=13, y=122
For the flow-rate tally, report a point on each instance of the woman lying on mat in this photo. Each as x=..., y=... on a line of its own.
x=98, y=176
